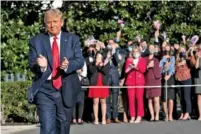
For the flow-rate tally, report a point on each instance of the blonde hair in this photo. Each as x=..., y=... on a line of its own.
x=136, y=47
x=151, y=45
x=55, y=12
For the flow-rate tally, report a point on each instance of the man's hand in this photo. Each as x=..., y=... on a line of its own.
x=42, y=61
x=79, y=71
x=64, y=64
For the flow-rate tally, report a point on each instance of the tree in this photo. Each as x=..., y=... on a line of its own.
x=21, y=20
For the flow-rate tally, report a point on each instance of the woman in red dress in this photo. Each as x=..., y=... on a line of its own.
x=99, y=77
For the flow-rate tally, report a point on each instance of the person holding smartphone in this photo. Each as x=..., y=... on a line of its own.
x=167, y=65
x=99, y=80
x=135, y=68
x=153, y=78
x=183, y=77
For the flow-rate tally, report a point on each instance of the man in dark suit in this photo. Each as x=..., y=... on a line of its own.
x=145, y=51
x=54, y=58
x=112, y=100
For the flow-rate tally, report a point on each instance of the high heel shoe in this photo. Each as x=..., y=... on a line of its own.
x=151, y=120
x=138, y=120
x=96, y=122
x=181, y=117
x=103, y=122
x=132, y=121
x=125, y=121
x=187, y=119
x=156, y=120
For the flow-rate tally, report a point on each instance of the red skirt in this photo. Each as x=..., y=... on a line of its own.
x=99, y=92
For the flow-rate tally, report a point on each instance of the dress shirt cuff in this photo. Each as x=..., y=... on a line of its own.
x=156, y=40
x=43, y=69
x=66, y=69
x=91, y=59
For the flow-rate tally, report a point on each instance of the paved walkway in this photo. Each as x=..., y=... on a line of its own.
x=176, y=127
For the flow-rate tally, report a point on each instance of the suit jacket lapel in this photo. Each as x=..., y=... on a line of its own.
x=63, y=42
x=48, y=49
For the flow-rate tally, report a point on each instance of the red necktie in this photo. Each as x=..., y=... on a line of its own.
x=56, y=77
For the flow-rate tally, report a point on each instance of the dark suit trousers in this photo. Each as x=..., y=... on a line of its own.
x=112, y=100
x=51, y=110
x=79, y=107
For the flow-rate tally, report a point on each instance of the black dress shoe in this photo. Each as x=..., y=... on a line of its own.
x=156, y=120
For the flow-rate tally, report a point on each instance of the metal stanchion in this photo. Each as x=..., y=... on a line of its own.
x=166, y=99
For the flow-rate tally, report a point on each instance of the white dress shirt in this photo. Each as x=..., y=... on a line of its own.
x=84, y=72
x=51, y=38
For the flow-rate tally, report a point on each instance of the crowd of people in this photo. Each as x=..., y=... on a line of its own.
x=148, y=71
x=154, y=76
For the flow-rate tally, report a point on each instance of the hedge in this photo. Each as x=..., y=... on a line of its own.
x=14, y=102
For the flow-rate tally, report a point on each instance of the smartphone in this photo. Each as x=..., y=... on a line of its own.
x=168, y=59
x=131, y=65
x=194, y=52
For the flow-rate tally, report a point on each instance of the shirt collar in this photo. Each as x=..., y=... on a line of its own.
x=58, y=36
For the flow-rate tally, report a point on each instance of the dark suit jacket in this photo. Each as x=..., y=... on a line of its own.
x=145, y=53
x=94, y=70
x=114, y=67
x=69, y=48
